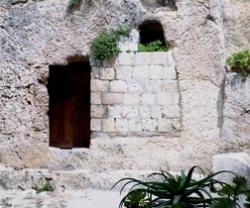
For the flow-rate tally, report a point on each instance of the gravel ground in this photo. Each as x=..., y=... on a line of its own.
x=65, y=199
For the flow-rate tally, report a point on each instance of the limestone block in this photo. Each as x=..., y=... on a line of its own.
x=171, y=111
x=95, y=72
x=156, y=72
x=169, y=73
x=168, y=125
x=125, y=58
x=96, y=124
x=148, y=99
x=132, y=98
x=145, y=112
x=141, y=72
x=108, y=125
x=149, y=125
x=153, y=86
x=96, y=98
x=142, y=58
x=238, y=163
x=135, y=125
x=107, y=73
x=166, y=98
x=135, y=86
x=112, y=98
x=156, y=111
x=115, y=111
x=130, y=112
x=97, y=111
x=118, y=86
x=169, y=86
x=124, y=72
x=161, y=58
x=99, y=85
x=121, y=125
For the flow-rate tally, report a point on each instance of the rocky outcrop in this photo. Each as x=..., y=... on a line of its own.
x=236, y=126
x=36, y=34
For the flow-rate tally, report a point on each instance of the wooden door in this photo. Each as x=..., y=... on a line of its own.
x=69, y=105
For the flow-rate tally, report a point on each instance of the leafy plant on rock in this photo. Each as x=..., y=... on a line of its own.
x=45, y=187
x=181, y=191
x=156, y=45
x=73, y=3
x=105, y=46
x=240, y=62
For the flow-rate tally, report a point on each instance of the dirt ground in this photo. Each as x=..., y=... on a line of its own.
x=65, y=199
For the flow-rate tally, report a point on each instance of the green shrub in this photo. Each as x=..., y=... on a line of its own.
x=153, y=46
x=105, y=46
x=45, y=187
x=240, y=62
x=136, y=199
x=247, y=204
x=73, y=3
x=182, y=191
x=122, y=31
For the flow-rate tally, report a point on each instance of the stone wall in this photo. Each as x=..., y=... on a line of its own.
x=202, y=33
x=138, y=95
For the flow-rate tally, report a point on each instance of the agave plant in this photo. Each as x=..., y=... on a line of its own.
x=181, y=191
x=247, y=203
x=223, y=203
x=232, y=191
x=136, y=199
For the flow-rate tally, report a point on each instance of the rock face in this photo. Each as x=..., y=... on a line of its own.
x=238, y=163
x=236, y=126
x=202, y=33
x=153, y=4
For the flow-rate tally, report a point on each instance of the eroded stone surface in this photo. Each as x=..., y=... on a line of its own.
x=37, y=34
x=236, y=123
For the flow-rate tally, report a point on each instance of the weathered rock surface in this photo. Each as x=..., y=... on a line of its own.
x=238, y=163
x=37, y=34
x=236, y=125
